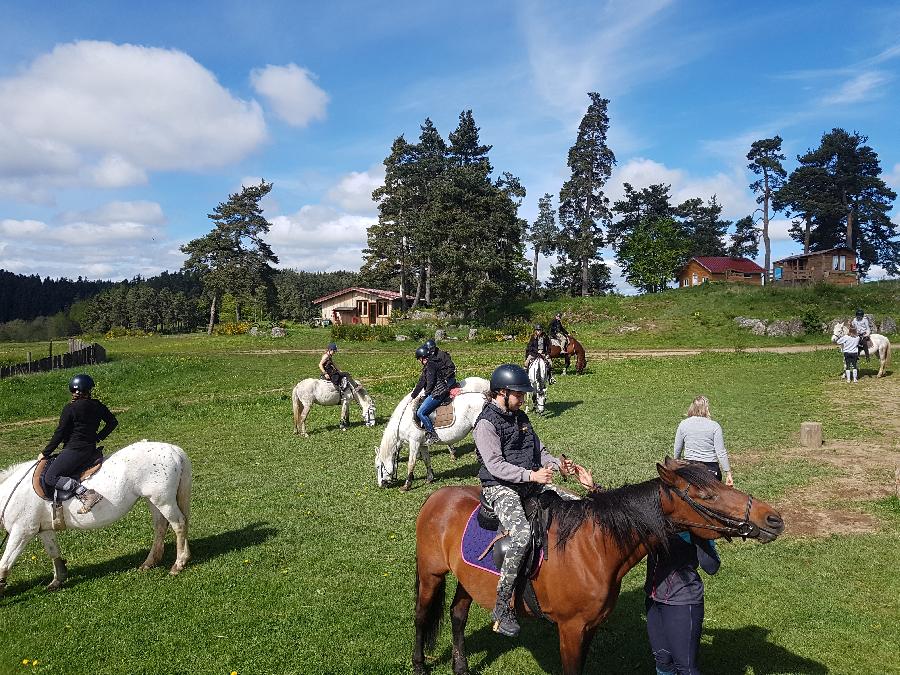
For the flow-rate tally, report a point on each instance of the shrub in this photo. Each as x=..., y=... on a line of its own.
x=232, y=328
x=121, y=331
x=812, y=319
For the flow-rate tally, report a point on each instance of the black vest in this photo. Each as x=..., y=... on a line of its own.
x=516, y=443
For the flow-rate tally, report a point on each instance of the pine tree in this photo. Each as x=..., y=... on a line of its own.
x=765, y=161
x=543, y=235
x=744, y=239
x=583, y=206
x=637, y=205
x=703, y=225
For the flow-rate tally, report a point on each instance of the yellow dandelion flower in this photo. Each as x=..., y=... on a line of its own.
x=24, y=662
x=233, y=672
x=34, y=663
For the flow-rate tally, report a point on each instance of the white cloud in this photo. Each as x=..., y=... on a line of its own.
x=860, y=87
x=729, y=188
x=149, y=213
x=893, y=178
x=102, y=114
x=354, y=191
x=291, y=92
x=319, y=238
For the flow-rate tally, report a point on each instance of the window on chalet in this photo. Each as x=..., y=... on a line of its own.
x=839, y=263
x=383, y=307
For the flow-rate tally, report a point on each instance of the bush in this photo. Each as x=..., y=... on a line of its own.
x=358, y=332
x=232, y=328
x=812, y=319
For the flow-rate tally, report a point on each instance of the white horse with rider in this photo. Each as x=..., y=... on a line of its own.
x=158, y=472
x=402, y=428
x=316, y=390
x=880, y=344
x=539, y=376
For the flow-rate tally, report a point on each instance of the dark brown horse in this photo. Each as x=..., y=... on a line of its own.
x=598, y=540
x=573, y=348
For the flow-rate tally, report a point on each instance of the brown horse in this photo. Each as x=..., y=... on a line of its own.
x=598, y=540
x=573, y=348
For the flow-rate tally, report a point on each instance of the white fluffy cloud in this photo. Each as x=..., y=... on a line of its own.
x=354, y=191
x=319, y=238
x=117, y=240
x=291, y=92
x=729, y=188
x=103, y=114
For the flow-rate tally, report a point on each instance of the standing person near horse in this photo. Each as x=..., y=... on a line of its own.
x=700, y=439
x=538, y=348
x=675, y=601
x=79, y=432
x=437, y=379
x=849, y=345
x=330, y=371
x=863, y=330
x=514, y=464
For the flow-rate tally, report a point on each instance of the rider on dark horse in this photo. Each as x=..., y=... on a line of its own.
x=437, y=379
x=514, y=464
x=538, y=348
x=331, y=372
x=863, y=330
x=78, y=432
x=558, y=331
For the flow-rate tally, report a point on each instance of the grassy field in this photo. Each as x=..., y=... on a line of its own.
x=302, y=565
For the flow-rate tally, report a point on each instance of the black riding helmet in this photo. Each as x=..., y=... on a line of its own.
x=81, y=383
x=510, y=376
x=538, y=328
x=431, y=346
x=332, y=347
x=422, y=352
x=860, y=314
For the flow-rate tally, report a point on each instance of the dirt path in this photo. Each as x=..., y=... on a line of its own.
x=868, y=469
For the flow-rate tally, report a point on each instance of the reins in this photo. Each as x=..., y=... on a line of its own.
x=11, y=492
x=732, y=526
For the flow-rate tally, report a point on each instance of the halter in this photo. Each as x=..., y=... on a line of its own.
x=733, y=527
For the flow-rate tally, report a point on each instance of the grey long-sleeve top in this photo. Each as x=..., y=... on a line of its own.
x=700, y=439
x=488, y=442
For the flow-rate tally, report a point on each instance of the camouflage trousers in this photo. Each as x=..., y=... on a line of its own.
x=507, y=505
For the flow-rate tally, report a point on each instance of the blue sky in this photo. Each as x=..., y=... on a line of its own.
x=123, y=124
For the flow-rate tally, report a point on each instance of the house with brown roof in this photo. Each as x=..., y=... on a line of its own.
x=831, y=266
x=720, y=268
x=371, y=306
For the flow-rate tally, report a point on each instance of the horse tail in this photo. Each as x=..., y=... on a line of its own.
x=887, y=353
x=297, y=405
x=582, y=358
x=185, y=481
x=431, y=613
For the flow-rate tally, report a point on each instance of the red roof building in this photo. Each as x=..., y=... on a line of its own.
x=720, y=268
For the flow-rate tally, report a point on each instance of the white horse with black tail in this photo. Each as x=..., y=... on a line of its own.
x=402, y=428
x=539, y=376
x=316, y=390
x=158, y=472
x=880, y=345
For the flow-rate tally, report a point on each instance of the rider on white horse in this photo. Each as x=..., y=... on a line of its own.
x=331, y=372
x=437, y=379
x=538, y=348
x=78, y=432
x=863, y=330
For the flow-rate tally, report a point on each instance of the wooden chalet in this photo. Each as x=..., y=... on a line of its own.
x=720, y=268
x=371, y=306
x=832, y=266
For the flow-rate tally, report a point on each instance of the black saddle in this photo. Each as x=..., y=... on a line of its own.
x=538, y=512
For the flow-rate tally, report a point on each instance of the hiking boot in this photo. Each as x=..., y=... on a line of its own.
x=431, y=438
x=505, y=620
x=89, y=499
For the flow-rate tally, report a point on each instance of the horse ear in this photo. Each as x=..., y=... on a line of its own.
x=668, y=476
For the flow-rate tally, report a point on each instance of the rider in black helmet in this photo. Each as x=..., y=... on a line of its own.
x=514, y=463
x=78, y=432
x=863, y=330
x=330, y=371
x=437, y=379
x=538, y=348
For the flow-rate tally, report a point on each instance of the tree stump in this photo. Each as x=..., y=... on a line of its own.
x=810, y=434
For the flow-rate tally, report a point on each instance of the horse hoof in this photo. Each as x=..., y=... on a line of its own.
x=176, y=568
x=405, y=487
x=54, y=585
x=429, y=479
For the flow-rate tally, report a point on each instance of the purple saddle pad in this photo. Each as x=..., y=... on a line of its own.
x=475, y=540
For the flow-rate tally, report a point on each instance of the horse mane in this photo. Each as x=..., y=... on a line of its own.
x=8, y=471
x=630, y=514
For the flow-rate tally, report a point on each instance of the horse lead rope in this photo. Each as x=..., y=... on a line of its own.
x=11, y=492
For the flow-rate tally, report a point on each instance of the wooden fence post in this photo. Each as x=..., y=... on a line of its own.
x=810, y=434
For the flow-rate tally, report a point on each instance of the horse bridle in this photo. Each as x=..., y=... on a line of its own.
x=732, y=526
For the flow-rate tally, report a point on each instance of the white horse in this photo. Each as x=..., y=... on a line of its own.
x=402, y=428
x=316, y=390
x=158, y=472
x=880, y=344
x=539, y=376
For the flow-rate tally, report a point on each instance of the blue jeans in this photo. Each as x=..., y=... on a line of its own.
x=429, y=405
x=674, y=632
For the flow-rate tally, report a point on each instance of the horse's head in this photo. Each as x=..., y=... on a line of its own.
x=697, y=502
x=840, y=329
x=386, y=461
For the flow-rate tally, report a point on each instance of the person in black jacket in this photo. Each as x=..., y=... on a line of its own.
x=538, y=348
x=558, y=331
x=79, y=432
x=437, y=379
